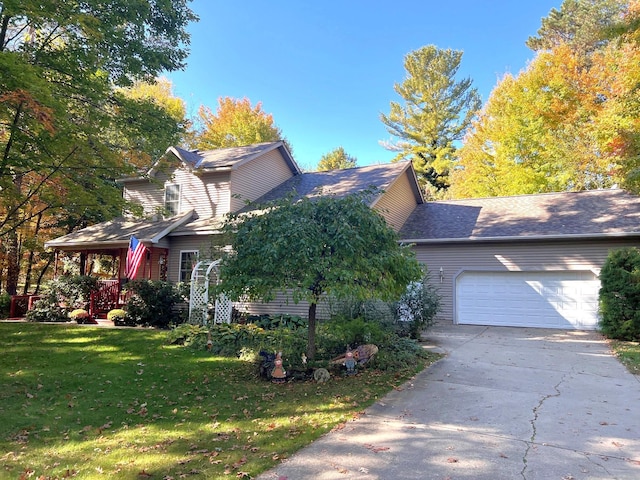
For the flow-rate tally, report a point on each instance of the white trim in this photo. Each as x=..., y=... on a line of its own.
x=577, y=236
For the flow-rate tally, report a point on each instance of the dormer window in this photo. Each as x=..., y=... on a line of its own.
x=172, y=199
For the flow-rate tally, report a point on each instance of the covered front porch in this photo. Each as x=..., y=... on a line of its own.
x=109, y=244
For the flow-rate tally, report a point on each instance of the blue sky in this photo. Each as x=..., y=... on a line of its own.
x=326, y=69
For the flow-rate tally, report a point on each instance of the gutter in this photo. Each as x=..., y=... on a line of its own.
x=530, y=238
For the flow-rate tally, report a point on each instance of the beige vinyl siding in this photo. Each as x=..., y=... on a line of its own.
x=283, y=305
x=149, y=195
x=397, y=203
x=201, y=244
x=455, y=258
x=253, y=179
x=208, y=193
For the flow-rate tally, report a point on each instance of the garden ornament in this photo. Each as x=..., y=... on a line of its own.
x=321, y=375
x=350, y=363
x=278, y=374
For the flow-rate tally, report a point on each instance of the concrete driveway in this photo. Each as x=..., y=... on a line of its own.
x=505, y=403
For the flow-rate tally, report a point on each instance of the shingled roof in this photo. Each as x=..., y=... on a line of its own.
x=117, y=232
x=592, y=213
x=341, y=182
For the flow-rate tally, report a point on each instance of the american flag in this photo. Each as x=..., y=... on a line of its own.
x=135, y=254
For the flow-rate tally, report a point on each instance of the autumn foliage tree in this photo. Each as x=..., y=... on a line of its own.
x=236, y=123
x=66, y=128
x=566, y=122
x=337, y=158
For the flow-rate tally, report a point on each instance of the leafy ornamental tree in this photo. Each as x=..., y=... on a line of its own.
x=236, y=123
x=312, y=247
x=66, y=130
x=336, y=159
x=620, y=295
x=437, y=111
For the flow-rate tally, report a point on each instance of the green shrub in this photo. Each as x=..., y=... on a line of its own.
x=74, y=290
x=189, y=335
x=48, y=309
x=153, y=303
x=417, y=308
x=398, y=353
x=620, y=295
x=333, y=338
x=272, y=322
x=336, y=335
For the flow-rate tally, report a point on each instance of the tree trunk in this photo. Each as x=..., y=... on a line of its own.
x=42, y=274
x=13, y=266
x=311, y=345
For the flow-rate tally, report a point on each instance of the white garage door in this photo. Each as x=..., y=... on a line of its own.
x=567, y=299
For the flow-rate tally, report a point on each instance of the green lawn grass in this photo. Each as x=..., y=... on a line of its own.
x=628, y=353
x=91, y=402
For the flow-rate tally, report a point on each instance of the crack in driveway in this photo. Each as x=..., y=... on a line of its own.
x=534, y=430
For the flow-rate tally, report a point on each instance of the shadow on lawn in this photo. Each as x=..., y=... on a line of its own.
x=89, y=402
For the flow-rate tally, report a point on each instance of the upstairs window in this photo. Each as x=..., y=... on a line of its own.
x=172, y=199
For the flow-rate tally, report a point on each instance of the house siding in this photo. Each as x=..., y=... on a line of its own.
x=397, y=203
x=201, y=244
x=208, y=194
x=145, y=193
x=253, y=179
x=284, y=305
x=519, y=256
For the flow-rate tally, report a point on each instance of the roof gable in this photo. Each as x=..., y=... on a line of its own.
x=221, y=159
x=551, y=215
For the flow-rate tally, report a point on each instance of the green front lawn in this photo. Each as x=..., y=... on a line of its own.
x=90, y=402
x=628, y=353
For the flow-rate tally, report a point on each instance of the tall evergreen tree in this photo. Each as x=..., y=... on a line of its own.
x=580, y=24
x=436, y=112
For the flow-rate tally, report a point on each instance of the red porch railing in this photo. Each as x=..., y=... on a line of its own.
x=105, y=298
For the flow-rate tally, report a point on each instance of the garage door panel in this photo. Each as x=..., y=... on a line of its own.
x=567, y=299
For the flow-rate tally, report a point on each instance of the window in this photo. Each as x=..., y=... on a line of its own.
x=172, y=199
x=188, y=260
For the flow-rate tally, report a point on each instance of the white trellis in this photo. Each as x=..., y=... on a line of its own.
x=203, y=274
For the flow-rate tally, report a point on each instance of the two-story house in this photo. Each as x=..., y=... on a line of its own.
x=186, y=195
x=529, y=260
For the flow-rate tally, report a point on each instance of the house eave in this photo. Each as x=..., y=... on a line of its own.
x=80, y=245
x=522, y=238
